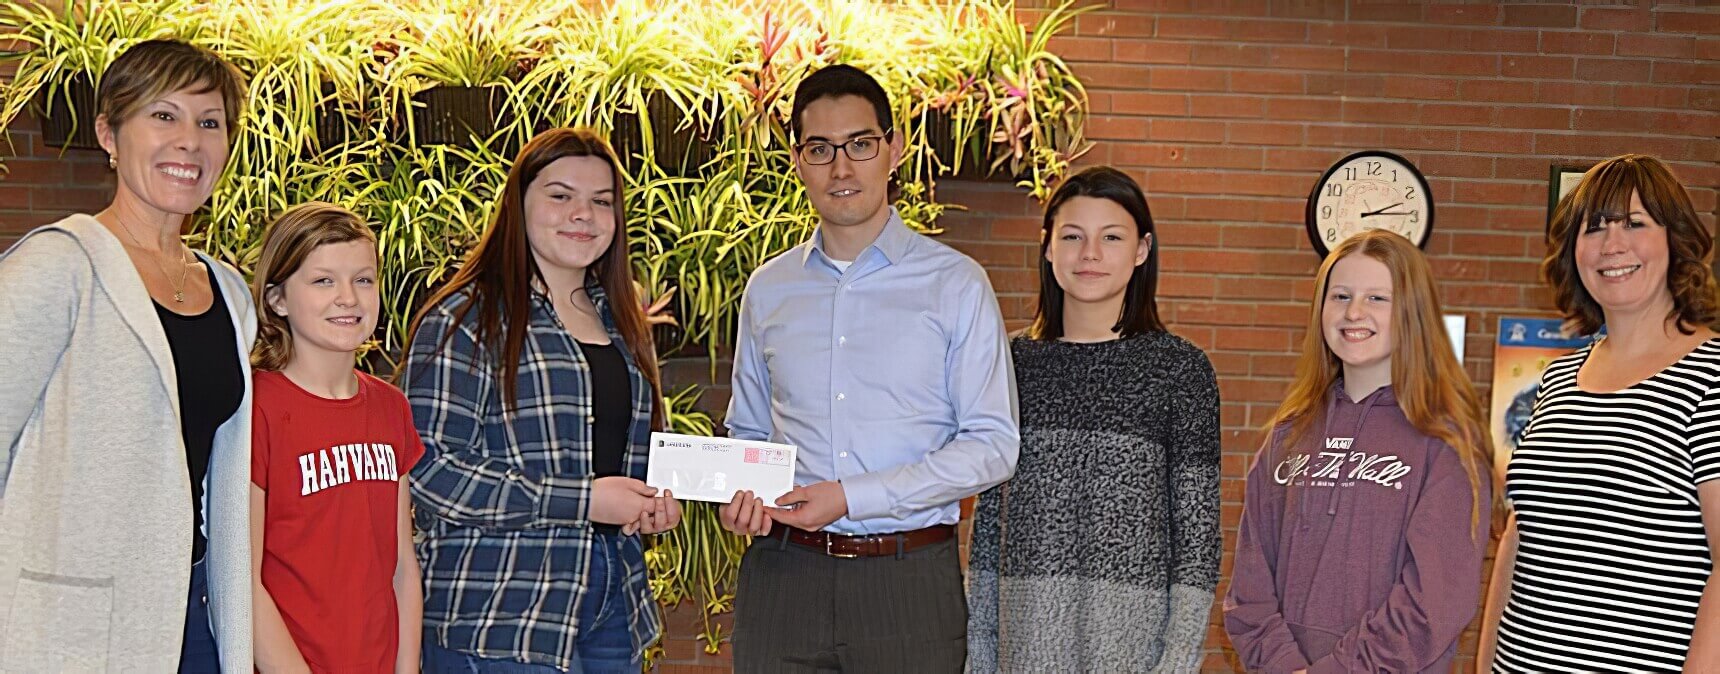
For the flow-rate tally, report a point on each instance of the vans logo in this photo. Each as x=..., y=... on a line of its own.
x=1339, y=443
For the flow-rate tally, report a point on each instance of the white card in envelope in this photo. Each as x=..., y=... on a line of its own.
x=712, y=469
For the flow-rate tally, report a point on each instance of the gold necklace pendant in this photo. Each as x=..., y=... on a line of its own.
x=179, y=296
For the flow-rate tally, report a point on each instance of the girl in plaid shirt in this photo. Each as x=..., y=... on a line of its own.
x=534, y=386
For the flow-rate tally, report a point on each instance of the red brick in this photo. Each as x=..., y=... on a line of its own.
x=14, y=197
x=1205, y=131
x=1613, y=70
x=1216, y=313
x=1582, y=94
x=1231, y=54
x=1540, y=16
x=1499, y=245
x=1220, y=208
x=1114, y=24
x=1211, y=156
x=1222, y=105
x=1519, y=142
x=1706, y=23
x=1360, y=85
x=1386, y=112
x=1267, y=82
x=1150, y=154
x=1313, y=109
x=1264, y=236
x=1457, y=115
x=1706, y=98
x=1575, y=42
x=1708, y=49
x=1081, y=48
x=1473, y=15
x=1664, y=46
x=1497, y=91
x=1307, y=58
x=70, y=199
x=1299, y=159
x=1514, y=271
x=1017, y=229
x=1596, y=119
x=1348, y=34
x=1150, y=51
x=1147, y=103
x=1187, y=27
x=996, y=254
x=1384, y=11
x=1188, y=79
x=1617, y=19
x=1187, y=285
x=1269, y=31
x=41, y=172
x=1430, y=88
x=1523, y=117
x=1116, y=128
x=1114, y=75
x=1351, y=135
x=1652, y=96
x=1504, y=41
x=1455, y=165
x=1481, y=294
x=1538, y=67
x=1265, y=133
x=1499, y=192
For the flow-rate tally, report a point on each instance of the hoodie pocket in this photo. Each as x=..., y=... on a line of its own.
x=58, y=624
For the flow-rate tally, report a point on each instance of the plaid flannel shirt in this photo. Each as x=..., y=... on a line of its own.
x=503, y=498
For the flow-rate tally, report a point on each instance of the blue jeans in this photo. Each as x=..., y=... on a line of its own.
x=605, y=642
x=197, y=653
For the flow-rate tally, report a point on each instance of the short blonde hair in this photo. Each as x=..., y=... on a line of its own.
x=291, y=239
x=153, y=69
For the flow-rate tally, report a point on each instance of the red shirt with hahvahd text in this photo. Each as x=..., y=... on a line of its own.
x=331, y=471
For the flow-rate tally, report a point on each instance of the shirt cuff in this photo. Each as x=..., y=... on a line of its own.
x=867, y=496
x=565, y=501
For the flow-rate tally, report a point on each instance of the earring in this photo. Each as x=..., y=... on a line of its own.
x=112, y=163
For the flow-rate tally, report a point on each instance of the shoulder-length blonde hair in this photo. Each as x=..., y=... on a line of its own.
x=1431, y=387
x=289, y=241
x=1603, y=195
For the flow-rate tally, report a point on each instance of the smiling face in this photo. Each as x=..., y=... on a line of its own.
x=1356, y=315
x=570, y=213
x=1094, y=249
x=331, y=302
x=170, y=152
x=1623, y=262
x=845, y=192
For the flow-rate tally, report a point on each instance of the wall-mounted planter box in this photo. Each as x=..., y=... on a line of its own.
x=679, y=152
x=69, y=119
x=977, y=154
x=449, y=115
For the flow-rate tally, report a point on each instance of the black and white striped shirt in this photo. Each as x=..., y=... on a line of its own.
x=1612, y=555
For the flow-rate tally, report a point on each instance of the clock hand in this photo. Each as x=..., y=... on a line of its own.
x=1383, y=211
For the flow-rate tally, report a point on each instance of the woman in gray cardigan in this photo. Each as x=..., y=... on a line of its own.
x=125, y=417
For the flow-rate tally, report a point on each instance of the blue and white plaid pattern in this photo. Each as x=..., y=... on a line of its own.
x=503, y=498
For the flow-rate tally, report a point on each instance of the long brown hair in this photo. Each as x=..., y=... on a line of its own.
x=1603, y=195
x=501, y=271
x=1140, y=312
x=1431, y=387
x=291, y=239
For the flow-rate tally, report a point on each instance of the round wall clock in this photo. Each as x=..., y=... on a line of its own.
x=1372, y=189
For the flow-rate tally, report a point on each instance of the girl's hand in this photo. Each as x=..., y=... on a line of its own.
x=619, y=500
x=661, y=514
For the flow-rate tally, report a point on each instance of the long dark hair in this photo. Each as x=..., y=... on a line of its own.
x=1140, y=299
x=501, y=270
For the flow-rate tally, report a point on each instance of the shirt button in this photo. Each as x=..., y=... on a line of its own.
x=591, y=419
x=841, y=396
x=843, y=455
x=841, y=340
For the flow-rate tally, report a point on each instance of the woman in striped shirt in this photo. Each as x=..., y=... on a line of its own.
x=1614, y=489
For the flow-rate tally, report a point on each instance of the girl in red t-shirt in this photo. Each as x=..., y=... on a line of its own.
x=337, y=584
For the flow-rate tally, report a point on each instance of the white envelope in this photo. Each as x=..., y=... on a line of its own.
x=712, y=469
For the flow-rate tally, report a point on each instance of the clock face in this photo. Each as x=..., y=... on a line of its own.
x=1369, y=190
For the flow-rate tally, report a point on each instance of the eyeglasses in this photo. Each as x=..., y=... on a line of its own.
x=864, y=148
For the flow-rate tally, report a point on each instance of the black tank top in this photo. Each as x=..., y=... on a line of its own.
x=211, y=385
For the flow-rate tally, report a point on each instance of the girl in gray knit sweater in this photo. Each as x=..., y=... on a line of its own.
x=1102, y=553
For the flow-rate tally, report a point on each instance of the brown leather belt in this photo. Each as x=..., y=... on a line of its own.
x=870, y=545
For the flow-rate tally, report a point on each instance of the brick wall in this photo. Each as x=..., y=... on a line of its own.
x=1228, y=111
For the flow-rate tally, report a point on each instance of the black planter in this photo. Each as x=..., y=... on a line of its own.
x=455, y=115
x=679, y=152
x=977, y=154
x=69, y=115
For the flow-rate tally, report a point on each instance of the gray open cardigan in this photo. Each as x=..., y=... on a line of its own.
x=94, y=502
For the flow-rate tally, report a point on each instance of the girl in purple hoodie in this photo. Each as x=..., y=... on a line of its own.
x=1365, y=520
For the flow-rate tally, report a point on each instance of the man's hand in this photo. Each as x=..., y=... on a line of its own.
x=812, y=507
x=745, y=515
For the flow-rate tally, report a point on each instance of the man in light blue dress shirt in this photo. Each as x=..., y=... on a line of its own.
x=882, y=355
